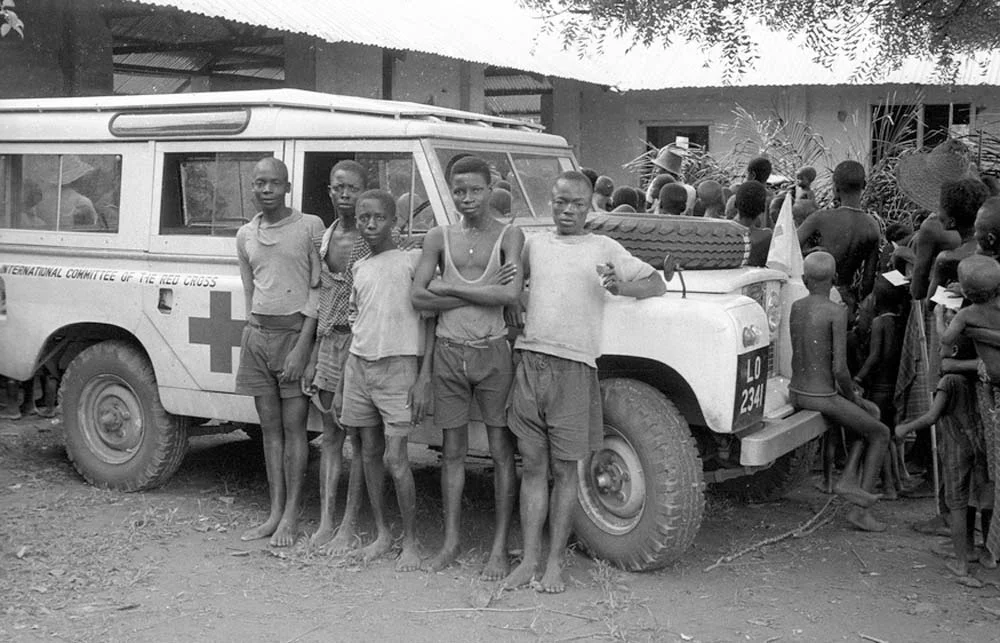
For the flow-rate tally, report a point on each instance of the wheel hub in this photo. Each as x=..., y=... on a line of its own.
x=110, y=416
x=616, y=473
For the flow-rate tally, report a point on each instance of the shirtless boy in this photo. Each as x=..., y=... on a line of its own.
x=385, y=381
x=848, y=233
x=342, y=247
x=821, y=382
x=555, y=408
x=279, y=267
x=479, y=260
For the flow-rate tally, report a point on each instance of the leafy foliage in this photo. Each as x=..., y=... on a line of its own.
x=876, y=35
x=9, y=20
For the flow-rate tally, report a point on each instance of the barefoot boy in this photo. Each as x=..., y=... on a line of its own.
x=279, y=267
x=555, y=407
x=963, y=455
x=342, y=246
x=384, y=381
x=478, y=259
x=821, y=382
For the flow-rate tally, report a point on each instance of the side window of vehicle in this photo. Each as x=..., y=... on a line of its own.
x=394, y=172
x=60, y=192
x=207, y=193
x=504, y=206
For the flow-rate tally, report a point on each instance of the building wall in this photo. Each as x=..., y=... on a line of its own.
x=608, y=129
x=65, y=51
x=357, y=70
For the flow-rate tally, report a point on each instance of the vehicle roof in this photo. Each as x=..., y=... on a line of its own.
x=277, y=113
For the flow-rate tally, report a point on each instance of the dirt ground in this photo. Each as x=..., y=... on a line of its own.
x=82, y=564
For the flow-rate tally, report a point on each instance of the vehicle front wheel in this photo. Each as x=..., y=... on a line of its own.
x=117, y=433
x=641, y=496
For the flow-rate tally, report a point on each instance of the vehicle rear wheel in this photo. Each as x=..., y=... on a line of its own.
x=773, y=483
x=640, y=498
x=117, y=433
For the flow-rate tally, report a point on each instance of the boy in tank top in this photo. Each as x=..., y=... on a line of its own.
x=479, y=263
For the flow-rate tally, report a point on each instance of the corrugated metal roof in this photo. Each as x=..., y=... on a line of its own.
x=504, y=34
x=501, y=33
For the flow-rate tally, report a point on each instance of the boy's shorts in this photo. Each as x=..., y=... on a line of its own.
x=333, y=351
x=557, y=402
x=262, y=358
x=964, y=469
x=483, y=370
x=376, y=391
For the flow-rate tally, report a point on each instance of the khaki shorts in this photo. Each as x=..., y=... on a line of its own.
x=483, y=370
x=333, y=351
x=376, y=391
x=556, y=403
x=262, y=358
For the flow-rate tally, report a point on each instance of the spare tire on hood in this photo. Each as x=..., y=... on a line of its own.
x=696, y=243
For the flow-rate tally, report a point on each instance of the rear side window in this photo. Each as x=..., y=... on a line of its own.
x=208, y=193
x=60, y=192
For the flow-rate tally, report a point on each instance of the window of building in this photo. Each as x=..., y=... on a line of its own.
x=207, y=193
x=60, y=192
x=660, y=135
x=895, y=127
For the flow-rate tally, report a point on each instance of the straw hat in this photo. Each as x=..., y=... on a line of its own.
x=921, y=174
x=669, y=159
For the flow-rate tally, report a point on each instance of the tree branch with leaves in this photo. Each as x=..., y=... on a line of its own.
x=876, y=35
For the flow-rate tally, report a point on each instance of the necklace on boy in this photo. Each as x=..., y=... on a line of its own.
x=472, y=242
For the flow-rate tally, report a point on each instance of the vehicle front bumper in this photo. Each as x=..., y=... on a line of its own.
x=776, y=437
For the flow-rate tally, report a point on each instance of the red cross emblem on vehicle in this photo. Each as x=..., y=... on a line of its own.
x=219, y=330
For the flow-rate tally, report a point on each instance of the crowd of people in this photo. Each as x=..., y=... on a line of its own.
x=752, y=203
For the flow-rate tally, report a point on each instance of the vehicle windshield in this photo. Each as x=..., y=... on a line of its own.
x=529, y=175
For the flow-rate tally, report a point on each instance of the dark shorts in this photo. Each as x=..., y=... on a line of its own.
x=483, y=371
x=262, y=358
x=964, y=469
x=333, y=351
x=376, y=391
x=556, y=403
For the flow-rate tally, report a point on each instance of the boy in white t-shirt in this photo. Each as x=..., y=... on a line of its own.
x=555, y=409
x=385, y=382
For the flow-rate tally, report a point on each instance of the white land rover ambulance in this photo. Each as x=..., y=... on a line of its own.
x=118, y=271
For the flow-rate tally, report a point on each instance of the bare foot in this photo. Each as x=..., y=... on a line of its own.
x=46, y=412
x=890, y=494
x=10, y=415
x=261, y=531
x=825, y=486
x=521, y=576
x=285, y=534
x=442, y=559
x=378, y=548
x=343, y=542
x=322, y=536
x=958, y=567
x=855, y=494
x=987, y=560
x=552, y=582
x=864, y=520
x=409, y=559
x=496, y=568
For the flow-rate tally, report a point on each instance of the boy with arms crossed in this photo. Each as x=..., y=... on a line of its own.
x=479, y=260
x=555, y=409
x=279, y=267
x=384, y=382
x=342, y=246
x=821, y=382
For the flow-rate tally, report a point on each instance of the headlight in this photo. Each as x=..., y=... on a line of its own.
x=772, y=307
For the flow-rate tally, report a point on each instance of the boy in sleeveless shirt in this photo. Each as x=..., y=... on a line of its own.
x=479, y=261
